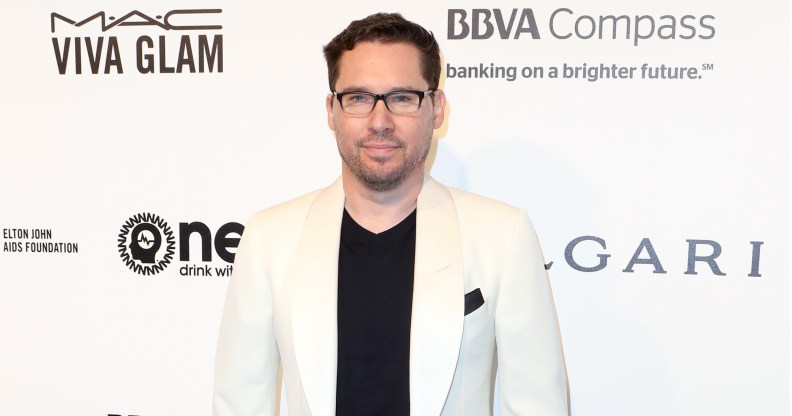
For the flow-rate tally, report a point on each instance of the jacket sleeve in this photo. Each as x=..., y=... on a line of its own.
x=247, y=358
x=531, y=372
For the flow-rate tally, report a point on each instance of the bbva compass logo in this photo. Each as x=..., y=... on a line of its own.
x=146, y=244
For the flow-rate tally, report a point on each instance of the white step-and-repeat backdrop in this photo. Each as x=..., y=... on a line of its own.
x=648, y=140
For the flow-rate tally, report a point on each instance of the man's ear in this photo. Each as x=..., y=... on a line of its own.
x=329, y=106
x=438, y=109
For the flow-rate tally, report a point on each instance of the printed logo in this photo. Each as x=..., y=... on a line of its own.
x=166, y=43
x=37, y=240
x=702, y=256
x=146, y=244
x=565, y=24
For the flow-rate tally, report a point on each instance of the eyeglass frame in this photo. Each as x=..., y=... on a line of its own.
x=378, y=97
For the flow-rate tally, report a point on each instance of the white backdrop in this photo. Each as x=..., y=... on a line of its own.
x=645, y=170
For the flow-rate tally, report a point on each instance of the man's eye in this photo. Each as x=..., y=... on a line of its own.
x=357, y=98
x=402, y=98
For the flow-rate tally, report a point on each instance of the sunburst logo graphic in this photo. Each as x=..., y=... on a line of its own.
x=146, y=244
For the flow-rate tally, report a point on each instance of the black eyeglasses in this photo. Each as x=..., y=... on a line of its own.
x=403, y=102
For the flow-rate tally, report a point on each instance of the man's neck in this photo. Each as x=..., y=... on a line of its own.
x=378, y=211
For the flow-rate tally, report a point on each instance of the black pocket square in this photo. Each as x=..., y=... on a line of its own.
x=473, y=301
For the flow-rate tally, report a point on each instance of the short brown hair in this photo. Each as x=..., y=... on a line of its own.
x=385, y=28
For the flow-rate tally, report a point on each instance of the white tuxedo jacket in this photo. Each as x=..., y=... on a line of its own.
x=281, y=310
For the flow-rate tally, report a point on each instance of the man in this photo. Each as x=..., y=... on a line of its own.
x=388, y=293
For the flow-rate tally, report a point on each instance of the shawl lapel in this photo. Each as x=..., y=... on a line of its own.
x=314, y=314
x=438, y=301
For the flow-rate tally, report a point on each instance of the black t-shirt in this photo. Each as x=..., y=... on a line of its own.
x=375, y=287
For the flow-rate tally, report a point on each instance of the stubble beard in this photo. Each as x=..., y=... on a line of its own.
x=380, y=178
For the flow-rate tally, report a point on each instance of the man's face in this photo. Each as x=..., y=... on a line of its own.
x=382, y=149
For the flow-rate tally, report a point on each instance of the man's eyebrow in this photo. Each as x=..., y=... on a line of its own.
x=363, y=89
x=354, y=89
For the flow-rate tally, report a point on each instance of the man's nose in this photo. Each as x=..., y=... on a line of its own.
x=380, y=119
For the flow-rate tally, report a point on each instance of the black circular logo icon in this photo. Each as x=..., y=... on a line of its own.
x=146, y=244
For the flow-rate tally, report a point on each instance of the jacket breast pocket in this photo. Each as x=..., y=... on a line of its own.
x=477, y=317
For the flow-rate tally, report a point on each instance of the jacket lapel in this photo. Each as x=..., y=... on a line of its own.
x=438, y=301
x=314, y=314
